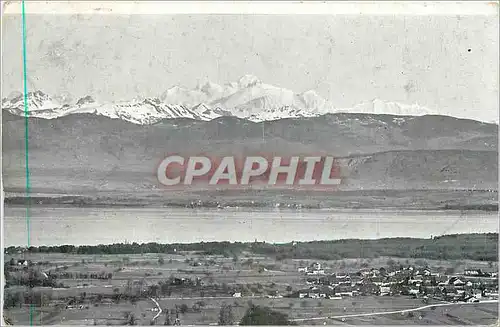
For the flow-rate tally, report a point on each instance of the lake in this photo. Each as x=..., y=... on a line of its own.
x=78, y=226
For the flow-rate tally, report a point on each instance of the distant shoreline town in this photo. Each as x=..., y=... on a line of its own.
x=138, y=202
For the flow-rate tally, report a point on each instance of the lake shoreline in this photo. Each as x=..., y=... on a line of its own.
x=361, y=204
x=381, y=209
x=70, y=225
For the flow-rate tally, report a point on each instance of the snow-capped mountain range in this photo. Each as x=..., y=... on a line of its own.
x=247, y=98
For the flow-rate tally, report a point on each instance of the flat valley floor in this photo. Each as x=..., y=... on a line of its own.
x=365, y=280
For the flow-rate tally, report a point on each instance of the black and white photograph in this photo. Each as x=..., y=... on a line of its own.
x=249, y=163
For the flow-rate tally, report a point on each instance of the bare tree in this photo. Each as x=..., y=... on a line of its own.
x=226, y=316
x=168, y=319
x=130, y=318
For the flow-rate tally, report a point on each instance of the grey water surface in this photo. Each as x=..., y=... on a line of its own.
x=78, y=226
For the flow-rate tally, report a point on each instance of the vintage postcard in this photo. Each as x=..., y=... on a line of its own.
x=249, y=163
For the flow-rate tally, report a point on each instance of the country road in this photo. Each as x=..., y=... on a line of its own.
x=159, y=309
x=392, y=312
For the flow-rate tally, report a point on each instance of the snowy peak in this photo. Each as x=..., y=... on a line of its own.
x=310, y=95
x=248, y=81
x=215, y=91
x=210, y=112
x=314, y=102
x=137, y=111
x=247, y=98
x=261, y=96
x=211, y=89
x=183, y=96
x=36, y=101
x=85, y=100
x=146, y=111
x=250, y=98
x=377, y=106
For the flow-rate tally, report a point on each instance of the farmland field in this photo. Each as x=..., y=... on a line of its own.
x=219, y=279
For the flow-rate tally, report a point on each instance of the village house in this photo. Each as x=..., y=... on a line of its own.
x=348, y=294
x=492, y=295
x=407, y=281
x=414, y=291
x=320, y=292
x=424, y=272
x=315, y=269
x=476, y=273
x=415, y=282
x=316, y=266
x=340, y=278
x=303, y=269
x=344, y=289
x=313, y=281
x=22, y=262
x=455, y=281
x=385, y=290
x=377, y=280
x=316, y=272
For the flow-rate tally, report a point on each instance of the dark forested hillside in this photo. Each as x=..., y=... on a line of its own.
x=483, y=247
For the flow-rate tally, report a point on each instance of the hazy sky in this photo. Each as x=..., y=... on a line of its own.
x=445, y=63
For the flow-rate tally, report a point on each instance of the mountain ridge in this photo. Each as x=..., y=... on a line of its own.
x=248, y=98
x=451, y=160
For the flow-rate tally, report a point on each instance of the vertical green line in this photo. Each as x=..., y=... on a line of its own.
x=26, y=114
x=28, y=186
